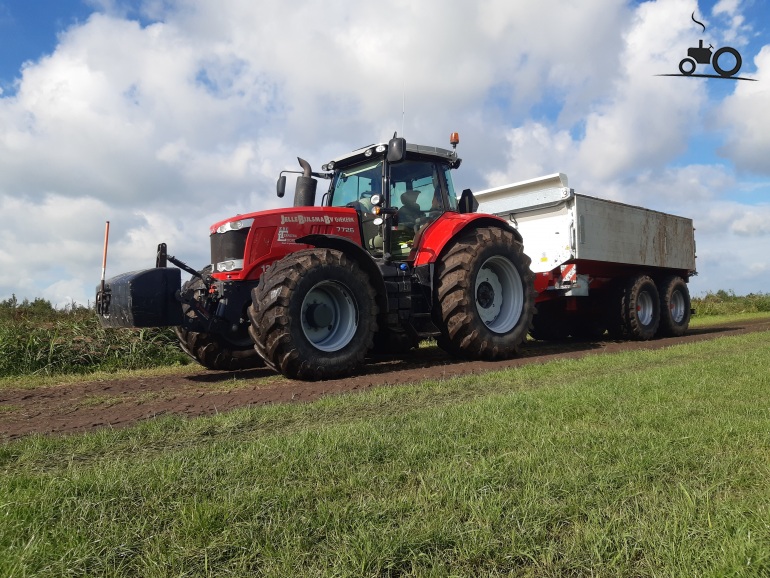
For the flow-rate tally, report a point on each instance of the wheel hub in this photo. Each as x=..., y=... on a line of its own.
x=319, y=315
x=329, y=316
x=485, y=295
x=499, y=294
x=677, y=307
x=644, y=308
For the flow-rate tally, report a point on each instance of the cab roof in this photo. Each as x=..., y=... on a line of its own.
x=411, y=149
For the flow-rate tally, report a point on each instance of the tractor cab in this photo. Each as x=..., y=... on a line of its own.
x=398, y=190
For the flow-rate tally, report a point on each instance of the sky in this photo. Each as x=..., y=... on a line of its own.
x=165, y=116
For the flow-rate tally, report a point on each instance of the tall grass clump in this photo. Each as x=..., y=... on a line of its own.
x=728, y=303
x=36, y=338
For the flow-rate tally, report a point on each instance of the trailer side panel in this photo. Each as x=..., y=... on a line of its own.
x=618, y=233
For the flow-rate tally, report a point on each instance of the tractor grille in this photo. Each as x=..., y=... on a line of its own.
x=228, y=246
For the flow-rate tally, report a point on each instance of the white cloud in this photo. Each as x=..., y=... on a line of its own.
x=745, y=116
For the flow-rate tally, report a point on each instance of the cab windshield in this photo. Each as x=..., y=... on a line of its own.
x=357, y=184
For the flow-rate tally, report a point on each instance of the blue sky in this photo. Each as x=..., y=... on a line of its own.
x=29, y=30
x=165, y=116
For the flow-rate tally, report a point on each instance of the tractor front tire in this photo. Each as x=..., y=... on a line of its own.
x=313, y=315
x=214, y=351
x=485, y=295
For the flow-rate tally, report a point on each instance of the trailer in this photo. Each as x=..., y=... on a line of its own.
x=599, y=265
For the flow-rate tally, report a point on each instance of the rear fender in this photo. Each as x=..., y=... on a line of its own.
x=449, y=226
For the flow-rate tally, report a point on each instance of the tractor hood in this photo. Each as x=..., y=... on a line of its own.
x=242, y=245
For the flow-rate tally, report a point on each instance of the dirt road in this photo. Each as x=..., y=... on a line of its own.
x=118, y=403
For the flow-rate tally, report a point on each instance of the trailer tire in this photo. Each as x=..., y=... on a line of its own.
x=214, y=351
x=313, y=315
x=674, y=307
x=636, y=312
x=485, y=295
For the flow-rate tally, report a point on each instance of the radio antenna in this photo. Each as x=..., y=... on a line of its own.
x=403, y=107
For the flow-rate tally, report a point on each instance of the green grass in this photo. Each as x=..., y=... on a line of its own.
x=647, y=463
x=29, y=381
x=38, y=341
x=728, y=303
x=711, y=320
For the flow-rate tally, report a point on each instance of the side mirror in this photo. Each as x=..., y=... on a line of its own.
x=468, y=203
x=281, y=186
x=396, y=149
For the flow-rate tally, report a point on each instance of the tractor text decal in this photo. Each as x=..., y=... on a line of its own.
x=284, y=236
x=325, y=219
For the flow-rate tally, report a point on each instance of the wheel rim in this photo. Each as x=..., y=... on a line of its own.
x=677, y=306
x=644, y=308
x=499, y=294
x=329, y=316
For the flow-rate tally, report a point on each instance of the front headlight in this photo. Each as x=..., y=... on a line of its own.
x=236, y=225
x=229, y=265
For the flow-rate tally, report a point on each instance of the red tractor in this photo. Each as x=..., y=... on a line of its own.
x=390, y=257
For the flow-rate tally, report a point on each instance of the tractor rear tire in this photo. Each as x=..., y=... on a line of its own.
x=674, y=307
x=636, y=310
x=313, y=315
x=214, y=351
x=485, y=295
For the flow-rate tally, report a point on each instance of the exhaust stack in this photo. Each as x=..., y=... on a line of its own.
x=304, y=193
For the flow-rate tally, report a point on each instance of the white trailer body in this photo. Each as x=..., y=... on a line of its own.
x=583, y=246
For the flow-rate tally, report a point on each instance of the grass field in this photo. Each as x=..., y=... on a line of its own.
x=38, y=342
x=647, y=463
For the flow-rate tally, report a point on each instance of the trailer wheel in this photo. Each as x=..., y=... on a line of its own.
x=485, y=295
x=637, y=310
x=211, y=350
x=313, y=315
x=674, y=307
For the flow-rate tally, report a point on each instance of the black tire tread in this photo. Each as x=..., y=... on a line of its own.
x=214, y=353
x=271, y=322
x=211, y=350
x=462, y=333
x=623, y=322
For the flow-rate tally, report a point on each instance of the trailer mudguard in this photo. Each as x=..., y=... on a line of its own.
x=143, y=299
